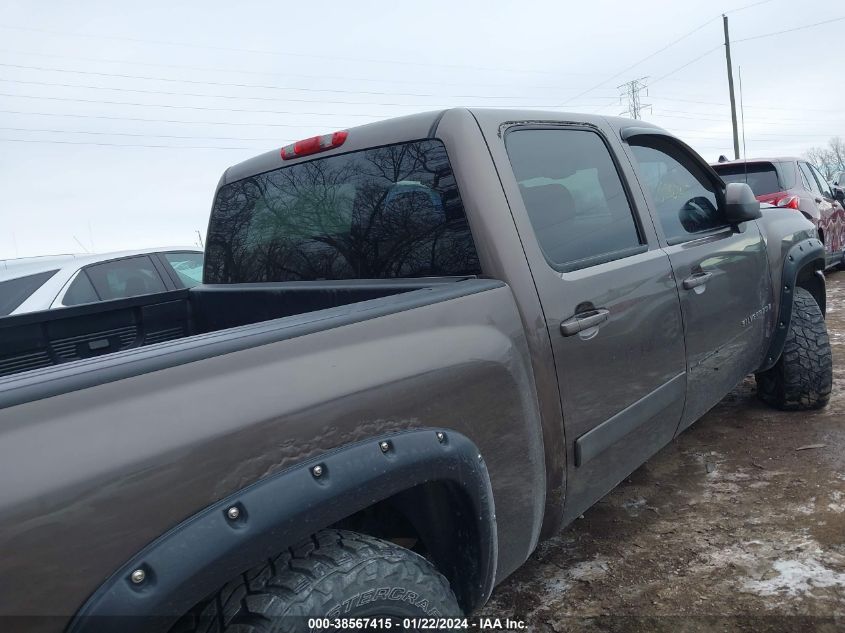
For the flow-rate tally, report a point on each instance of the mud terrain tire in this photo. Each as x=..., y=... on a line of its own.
x=803, y=376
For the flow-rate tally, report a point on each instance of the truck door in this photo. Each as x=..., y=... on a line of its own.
x=609, y=302
x=721, y=270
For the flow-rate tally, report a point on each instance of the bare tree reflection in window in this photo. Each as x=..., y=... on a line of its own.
x=381, y=213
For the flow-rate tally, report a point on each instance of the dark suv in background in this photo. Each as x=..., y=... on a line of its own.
x=794, y=183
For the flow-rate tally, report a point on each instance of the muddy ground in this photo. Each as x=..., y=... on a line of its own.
x=735, y=526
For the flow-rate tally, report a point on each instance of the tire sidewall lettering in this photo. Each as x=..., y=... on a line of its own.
x=394, y=594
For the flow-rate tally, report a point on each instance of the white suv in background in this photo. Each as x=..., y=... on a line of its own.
x=40, y=283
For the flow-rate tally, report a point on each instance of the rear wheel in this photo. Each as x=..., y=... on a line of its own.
x=333, y=574
x=803, y=376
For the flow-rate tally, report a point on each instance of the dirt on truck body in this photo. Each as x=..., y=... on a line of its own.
x=420, y=347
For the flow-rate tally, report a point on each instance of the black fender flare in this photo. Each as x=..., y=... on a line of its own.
x=809, y=252
x=198, y=556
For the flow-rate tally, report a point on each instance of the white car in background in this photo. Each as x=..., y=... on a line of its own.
x=30, y=284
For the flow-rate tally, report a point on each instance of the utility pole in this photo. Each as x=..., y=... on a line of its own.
x=731, y=86
x=631, y=91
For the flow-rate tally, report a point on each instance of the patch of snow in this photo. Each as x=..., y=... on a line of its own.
x=739, y=475
x=836, y=502
x=634, y=506
x=795, y=577
x=589, y=570
x=807, y=508
x=556, y=585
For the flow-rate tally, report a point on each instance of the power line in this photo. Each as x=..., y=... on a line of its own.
x=247, y=71
x=746, y=39
x=792, y=30
x=311, y=124
x=698, y=117
x=666, y=47
x=251, y=98
x=27, y=140
x=192, y=138
x=748, y=6
x=702, y=134
x=185, y=107
x=759, y=107
x=689, y=63
x=260, y=86
x=779, y=120
x=755, y=107
x=637, y=63
x=265, y=52
x=180, y=121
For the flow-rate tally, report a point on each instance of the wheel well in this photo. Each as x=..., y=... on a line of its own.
x=809, y=279
x=433, y=519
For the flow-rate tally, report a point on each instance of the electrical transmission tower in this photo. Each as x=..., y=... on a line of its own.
x=630, y=91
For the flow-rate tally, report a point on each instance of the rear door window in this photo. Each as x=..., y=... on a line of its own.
x=380, y=213
x=761, y=177
x=128, y=277
x=574, y=196
x=13, y=292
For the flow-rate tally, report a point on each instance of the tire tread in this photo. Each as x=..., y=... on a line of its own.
x=306, y=580
x=802, y=378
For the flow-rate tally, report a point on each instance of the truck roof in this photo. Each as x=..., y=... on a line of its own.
x=18, y=267
x=417, y=126
x=741, y=161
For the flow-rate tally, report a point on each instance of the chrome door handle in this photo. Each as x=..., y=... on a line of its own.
x=696, y=279
x=584, y=321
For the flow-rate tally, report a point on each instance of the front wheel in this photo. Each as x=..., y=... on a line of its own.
x=803, y=376
x=335, y=574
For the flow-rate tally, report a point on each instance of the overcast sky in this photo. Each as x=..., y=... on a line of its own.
x=117, y=119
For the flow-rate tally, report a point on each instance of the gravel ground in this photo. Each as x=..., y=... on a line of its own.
x=738, y=525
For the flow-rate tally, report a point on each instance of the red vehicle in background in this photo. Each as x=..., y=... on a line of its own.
x=793, y=183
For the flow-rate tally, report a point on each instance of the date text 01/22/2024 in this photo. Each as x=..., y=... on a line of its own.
x=375, y=623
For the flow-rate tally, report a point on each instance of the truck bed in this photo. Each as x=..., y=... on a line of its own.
x=54, y=337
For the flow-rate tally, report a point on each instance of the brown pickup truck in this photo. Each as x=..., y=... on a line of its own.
x=420, y=346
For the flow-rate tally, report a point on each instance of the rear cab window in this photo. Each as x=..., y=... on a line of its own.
x=574, y=196
x=380, y=213
x=763, y=178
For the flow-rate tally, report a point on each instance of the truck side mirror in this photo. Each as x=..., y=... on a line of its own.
x=839, y=194
x=740, y=203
